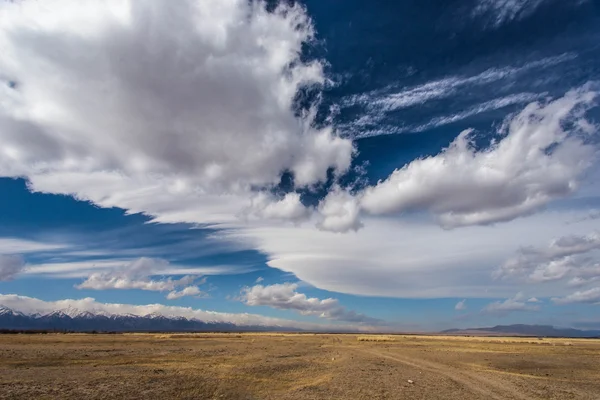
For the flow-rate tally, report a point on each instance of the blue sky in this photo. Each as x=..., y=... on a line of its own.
x=404, y=166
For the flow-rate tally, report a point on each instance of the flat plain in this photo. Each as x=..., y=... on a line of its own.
x=296, y=366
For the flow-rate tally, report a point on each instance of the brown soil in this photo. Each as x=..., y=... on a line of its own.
x=285, y=366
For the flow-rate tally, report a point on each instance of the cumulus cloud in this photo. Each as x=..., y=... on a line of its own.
x=461, y=305
x=590, y=296
x=267, y=206
x=10, y=266
x=285, y=297
x=187, y=291
x=516, y=303
x=137, y=274
x=339, y=212
x=31, y=305
x=565, y=257
x=108, y=281
x=535, y=160
x=193, y=100
x=539, y=155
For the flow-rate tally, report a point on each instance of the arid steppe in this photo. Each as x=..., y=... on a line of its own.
x=290, y=366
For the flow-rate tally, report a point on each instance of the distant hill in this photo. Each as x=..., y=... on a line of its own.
x=77, y=321
x=525, y=330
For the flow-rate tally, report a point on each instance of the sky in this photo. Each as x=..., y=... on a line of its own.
x=403, y=165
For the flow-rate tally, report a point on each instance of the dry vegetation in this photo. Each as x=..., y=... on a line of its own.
x=286, y=366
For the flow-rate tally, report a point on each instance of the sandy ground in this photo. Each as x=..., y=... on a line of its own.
x=271, y=366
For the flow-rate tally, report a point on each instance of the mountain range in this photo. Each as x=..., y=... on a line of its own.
x=525, y=330
x=71, y=319
x=84, y=321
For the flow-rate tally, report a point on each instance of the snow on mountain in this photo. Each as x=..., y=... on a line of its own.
x=5, y=311
x=72, y=319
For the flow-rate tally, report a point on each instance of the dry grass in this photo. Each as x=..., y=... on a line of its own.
x=376, y=338
x=296, y=366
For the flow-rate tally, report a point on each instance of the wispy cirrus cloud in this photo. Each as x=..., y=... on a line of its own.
x=500, y=12
x=9, y=245
x=379, y=104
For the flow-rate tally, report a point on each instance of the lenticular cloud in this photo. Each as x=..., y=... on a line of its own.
x=193, y=96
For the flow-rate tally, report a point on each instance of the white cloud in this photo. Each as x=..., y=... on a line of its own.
x=137, y=274
x=562, y=258
x=190, y=104
x=579, y=281
x=106, y=281
x=495, y=104
x=339, y=212
x=196, y=120
x=200, y=116
x=570, y=245
x=83, y=269
x=533, y=300
x=496, y=13
x=285, y=297
x=590, y=296
x=408, y=257
x=516, y=176
x=10, y=266
x=516, y=303
x=259, y=279
x=181, y=112
x=500, y=12
x=540, y=155
x=461, y=305
x=31, y=305
x=266, y=206
x=21, y=246
x=379, y=103
x=187, y=291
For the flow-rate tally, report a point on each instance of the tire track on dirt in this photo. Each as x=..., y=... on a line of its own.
x=487, y=387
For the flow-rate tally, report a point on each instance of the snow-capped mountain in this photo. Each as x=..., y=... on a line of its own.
x=7, y=312
x=71, y=319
